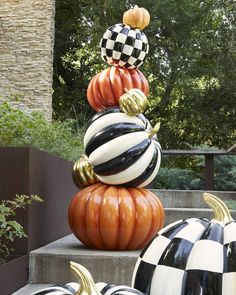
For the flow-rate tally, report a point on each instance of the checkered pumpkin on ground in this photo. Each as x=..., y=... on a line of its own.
x=192, y=256
x=124, y=46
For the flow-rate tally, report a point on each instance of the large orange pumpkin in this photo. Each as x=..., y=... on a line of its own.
x=115, y=218
x=106, y=88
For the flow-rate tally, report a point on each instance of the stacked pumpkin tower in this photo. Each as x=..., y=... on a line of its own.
x=113, y=210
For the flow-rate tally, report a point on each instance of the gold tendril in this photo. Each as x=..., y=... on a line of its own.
x=87, y=285
x=221, y=211
x=154, y=130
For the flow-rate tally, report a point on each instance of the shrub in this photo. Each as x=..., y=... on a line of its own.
x=20, y=129
x=10, y=229
x=187, y=173
x=177, y=178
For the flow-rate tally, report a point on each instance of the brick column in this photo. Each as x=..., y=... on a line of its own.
x=26, y=54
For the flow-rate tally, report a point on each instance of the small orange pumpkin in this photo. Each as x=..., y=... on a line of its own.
x=106, y=88
x=137, y=17
x=115, y=218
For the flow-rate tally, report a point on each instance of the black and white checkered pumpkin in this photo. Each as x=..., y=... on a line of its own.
x=124, y=46
x=192, y=256
x=122, y=149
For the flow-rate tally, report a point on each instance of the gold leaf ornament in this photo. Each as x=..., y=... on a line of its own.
x=83, y=174
x=133, y=102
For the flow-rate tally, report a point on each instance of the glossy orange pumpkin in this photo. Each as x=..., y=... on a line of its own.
x=106, y=88
x=115, y=218
x=137, y=17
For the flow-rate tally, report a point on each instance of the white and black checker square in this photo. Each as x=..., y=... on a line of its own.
x=122, y=38
x=110, y=44
x=206, y=255
x=124, y=58
x=203, y=282
x=138, y=44
x=116, y=54
x=116, y=28
x=229, y=283
x=132, y=45
x=143, y=274
x=230, y=233
x=167, y=281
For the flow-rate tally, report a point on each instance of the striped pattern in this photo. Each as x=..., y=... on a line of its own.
x=67, y=289
x=120, y=150
x=72, y=288
x=118, y=290
x=192, y=256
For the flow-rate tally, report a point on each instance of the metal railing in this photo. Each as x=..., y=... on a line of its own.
x=209, y=155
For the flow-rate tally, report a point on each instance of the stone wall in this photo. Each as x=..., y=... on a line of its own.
x=26, y=53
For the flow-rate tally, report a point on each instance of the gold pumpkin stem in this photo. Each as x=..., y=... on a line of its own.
x=126, y=90
x=154, y=130
x=221, y=211
x=87, y=285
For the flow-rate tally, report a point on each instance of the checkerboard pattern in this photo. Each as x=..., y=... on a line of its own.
x=124, y=46
x=192, y=256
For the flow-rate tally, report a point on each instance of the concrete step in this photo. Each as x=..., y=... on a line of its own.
x=50, y=264
x=188, y=198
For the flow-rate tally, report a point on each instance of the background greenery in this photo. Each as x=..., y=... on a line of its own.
x=57, y=138
x=191, y=72
x=10, y=229
x=190, y=66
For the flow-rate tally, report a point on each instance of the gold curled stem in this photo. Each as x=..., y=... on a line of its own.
x=87, y=285
x=154, y=130
x=221, y=211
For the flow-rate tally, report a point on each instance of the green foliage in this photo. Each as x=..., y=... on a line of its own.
x=231, y=204
x=58, y=138
x=225, y=173
x=176, y=178
x=190, y=65
x=187, y=173
x=10, y=229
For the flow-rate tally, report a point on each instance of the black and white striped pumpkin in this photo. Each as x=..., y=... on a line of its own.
x=107, y=289
x=122, y=149
x=88, y=287
x=103, y=288
x=192, y=256
x=66, y=289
